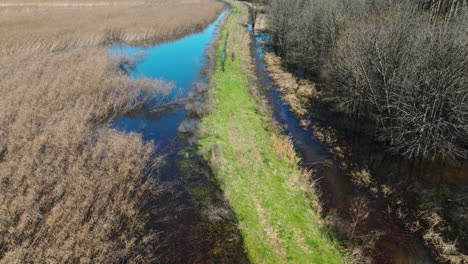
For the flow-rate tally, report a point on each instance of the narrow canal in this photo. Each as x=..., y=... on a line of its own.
x=199, y=226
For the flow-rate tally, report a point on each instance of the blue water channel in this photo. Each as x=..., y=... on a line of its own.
x=189, y=190
x=179, y=62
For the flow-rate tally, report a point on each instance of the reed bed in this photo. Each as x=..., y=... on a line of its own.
x=57, y=25
x=72, y=188
x=65, y=3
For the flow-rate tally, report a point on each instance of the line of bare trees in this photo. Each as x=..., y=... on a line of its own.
x=403, y=65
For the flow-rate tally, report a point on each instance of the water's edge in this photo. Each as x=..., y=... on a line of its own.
x=200, y=226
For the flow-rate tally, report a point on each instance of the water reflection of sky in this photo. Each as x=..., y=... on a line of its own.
x=179, y=62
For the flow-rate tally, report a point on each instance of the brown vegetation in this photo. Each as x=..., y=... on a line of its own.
x=52, y=28
x=73, y=189
x=283, y=146
x=438, y=214
x=297, y=93
x=387, y=62
x=397, y=69
x=71, y=3
x=409, y=77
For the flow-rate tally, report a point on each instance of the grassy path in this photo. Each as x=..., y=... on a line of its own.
x=257, y=168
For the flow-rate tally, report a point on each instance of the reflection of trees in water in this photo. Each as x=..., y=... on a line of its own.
x=418, y=192
x=391, y=166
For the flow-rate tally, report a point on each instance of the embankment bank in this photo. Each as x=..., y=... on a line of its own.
x=257, y=167
x=196, y=219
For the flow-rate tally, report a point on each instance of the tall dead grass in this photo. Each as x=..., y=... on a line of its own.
x=284, y=147
x=70, y=3
x=297, y=93
x=60, y=25
x=72, y=189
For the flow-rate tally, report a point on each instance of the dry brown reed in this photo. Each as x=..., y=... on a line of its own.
x=70, y=3
x=72, y=189
x=433, y=236
x=430, y=218
x=295, y=92
x=59, y=25
x=284, y=147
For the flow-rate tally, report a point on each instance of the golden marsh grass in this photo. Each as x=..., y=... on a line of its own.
x=73, y=189
x=43, y=27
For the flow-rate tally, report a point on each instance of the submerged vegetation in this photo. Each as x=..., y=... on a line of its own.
x=257, y=169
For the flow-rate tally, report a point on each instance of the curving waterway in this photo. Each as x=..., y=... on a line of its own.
x=179, y=62
x=198, y=225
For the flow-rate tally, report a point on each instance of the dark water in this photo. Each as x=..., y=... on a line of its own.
x=338, y=194
x=199, y=226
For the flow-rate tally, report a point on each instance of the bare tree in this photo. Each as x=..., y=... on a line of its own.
x=388, y=62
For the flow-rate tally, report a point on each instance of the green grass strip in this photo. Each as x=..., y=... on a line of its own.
x=268, y=192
